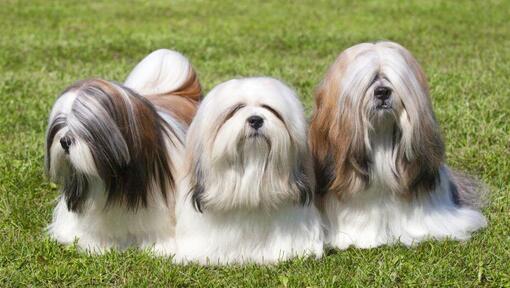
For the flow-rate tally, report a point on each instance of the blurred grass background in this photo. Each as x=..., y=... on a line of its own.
x=464, y=47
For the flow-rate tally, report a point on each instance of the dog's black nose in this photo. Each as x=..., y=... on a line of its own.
x=382, y=93
x=65, y=142
x=255, y=121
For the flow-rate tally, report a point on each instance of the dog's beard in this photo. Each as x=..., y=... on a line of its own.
x=253, y=148
x=74, y=170
x=249, y=169
x=382, y=118
x=390, y=136
x=255, y=155
x=75, y=187
x=384, y=140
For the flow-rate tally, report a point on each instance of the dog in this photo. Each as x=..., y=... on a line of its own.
x=379, y=156
x=117, y=156
x=248, y=193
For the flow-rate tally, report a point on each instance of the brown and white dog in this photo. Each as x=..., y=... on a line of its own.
x=379, y=155
x=118, y=155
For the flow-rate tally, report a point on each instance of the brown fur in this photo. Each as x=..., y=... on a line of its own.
x=341, y=161
x=191, y=88
x=339, y=155
x=180, y=107
x=183, y=102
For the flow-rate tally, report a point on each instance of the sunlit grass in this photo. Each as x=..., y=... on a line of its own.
x=45, y=46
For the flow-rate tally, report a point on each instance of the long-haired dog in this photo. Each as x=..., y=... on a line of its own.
x=117, y=155
x=250, y=178
x=379, y=156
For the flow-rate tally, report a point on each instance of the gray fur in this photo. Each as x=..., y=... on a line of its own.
x=469, y=191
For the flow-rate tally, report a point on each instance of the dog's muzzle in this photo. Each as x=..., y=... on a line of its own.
x=66, y=142
x=255, y=122
x=382, y=95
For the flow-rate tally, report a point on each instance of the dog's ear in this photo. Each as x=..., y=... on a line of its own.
x=74, y=189
x=337, y=144
x=421, y=148
x=197, y=186
x=348, y=152
x=325, y=174
x=420, y=154
x=303, y=180
x=323, y=120
x=56, y=124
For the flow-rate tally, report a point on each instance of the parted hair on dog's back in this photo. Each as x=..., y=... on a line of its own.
x=126, y=138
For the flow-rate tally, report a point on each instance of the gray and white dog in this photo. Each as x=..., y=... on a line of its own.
x=117, y=155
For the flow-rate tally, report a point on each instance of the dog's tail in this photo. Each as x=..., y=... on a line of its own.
x=468, y=191
x=165, y=72
x=167, y=79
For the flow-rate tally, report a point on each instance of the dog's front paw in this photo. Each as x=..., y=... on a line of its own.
x=161, y=248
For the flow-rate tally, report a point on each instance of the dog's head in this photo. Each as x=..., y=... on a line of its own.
x=247, y=147
x=103, y=138
x=375, y=91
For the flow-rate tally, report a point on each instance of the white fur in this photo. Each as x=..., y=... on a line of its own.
x=377, y=217
x=230, y=184
x=162, y=71
x=250, y=211
x=244, y=236
x=63, y=104
x=98, y=230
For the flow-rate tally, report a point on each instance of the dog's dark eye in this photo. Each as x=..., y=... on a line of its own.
x=270, y=109
x=233, y=111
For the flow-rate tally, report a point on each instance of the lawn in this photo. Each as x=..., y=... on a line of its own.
x=464, y=47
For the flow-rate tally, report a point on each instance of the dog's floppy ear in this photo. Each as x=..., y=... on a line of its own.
x=337, y=145
x=56, y=124
x=421, y=149
x=303, y=181
x=420, y=154
x=419, y=170
x=320, y=127
x=74, y=188
x=324, y=173
x=197, y=186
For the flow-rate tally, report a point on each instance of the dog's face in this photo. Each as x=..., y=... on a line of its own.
x=375, y=93
x=104, y=138
x=382, y=82
x=252, y=121
x=248, y=146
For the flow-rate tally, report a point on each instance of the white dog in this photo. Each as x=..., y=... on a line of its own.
x=248, y=193
x=379, y=156
x=117, y=156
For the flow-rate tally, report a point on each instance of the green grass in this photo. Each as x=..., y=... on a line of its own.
x=464, y=47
